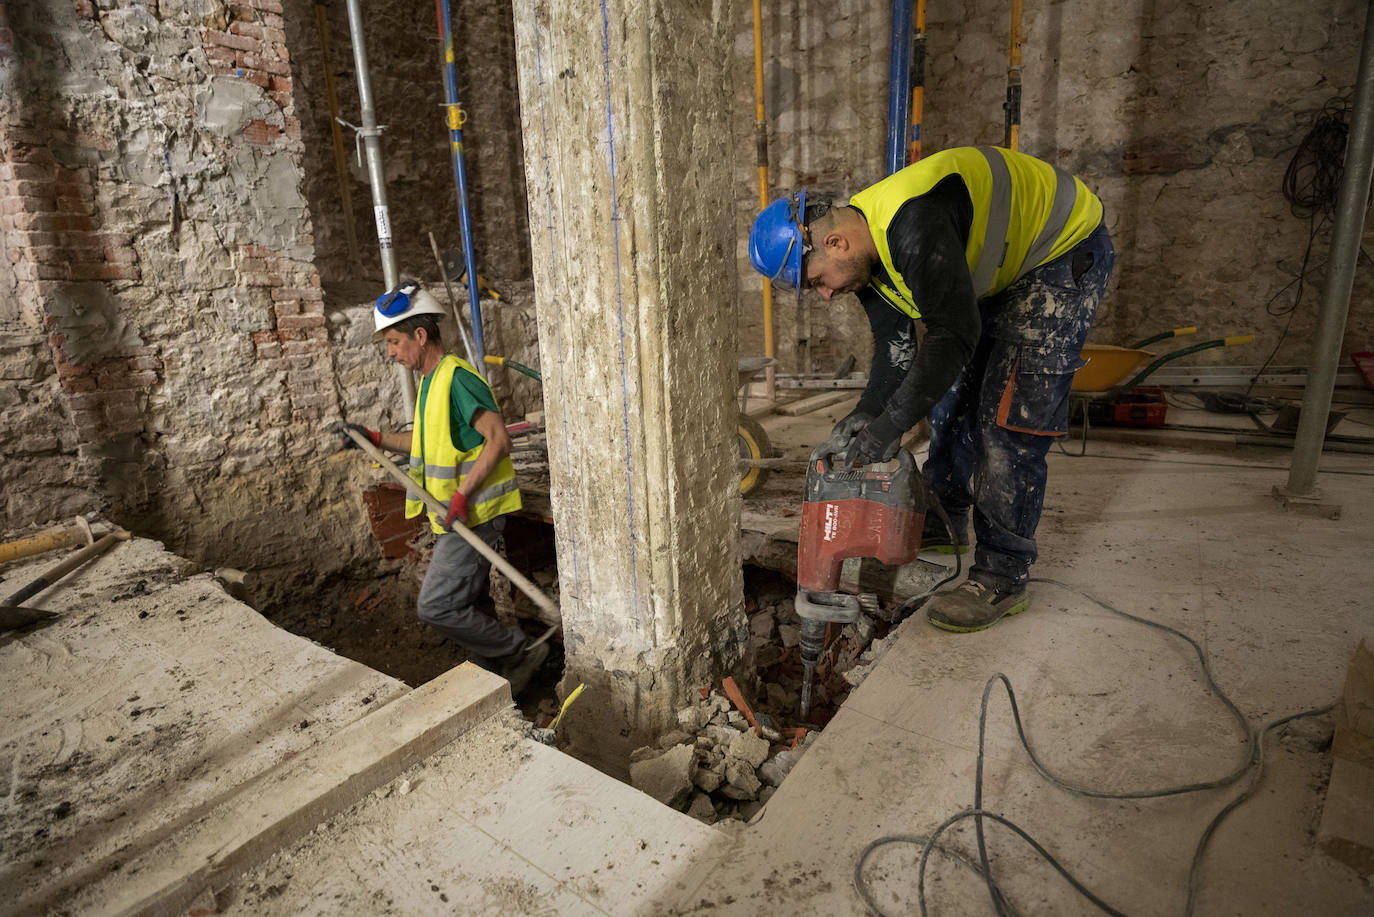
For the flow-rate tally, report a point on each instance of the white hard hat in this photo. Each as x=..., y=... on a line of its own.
x=397, y=305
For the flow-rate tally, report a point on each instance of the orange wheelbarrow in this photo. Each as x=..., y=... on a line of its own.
x=1113, y=369
x=1110, y=370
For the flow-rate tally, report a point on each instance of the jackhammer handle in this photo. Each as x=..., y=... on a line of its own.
x=419, y=493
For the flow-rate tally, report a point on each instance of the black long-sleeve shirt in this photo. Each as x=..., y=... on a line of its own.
x=927, y=238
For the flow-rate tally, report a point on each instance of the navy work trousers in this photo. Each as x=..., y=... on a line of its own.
x=990, y=432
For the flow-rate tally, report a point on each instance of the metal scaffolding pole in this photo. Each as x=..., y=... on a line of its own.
x=370, y=137
x=1340, y=277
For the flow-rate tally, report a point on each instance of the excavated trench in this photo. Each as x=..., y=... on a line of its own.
x=714, y=765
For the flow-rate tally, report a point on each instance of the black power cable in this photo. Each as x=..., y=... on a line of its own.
x=1311, y=184
x=1253, y=765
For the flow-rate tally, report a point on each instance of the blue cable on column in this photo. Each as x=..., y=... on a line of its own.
x=620, y=303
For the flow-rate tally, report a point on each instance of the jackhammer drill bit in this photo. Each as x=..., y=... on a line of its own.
x=812, y=641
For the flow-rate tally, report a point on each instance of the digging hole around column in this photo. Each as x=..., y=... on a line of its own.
x=371, y=619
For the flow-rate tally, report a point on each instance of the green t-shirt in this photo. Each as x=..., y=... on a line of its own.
x=468, y=393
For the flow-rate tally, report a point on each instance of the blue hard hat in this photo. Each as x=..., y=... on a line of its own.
x=777, y=240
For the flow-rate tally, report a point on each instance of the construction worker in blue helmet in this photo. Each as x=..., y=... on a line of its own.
x=460, y=453
x=1004, y=259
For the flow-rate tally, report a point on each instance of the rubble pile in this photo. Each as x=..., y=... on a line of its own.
x=716, y=765
x=729, y=754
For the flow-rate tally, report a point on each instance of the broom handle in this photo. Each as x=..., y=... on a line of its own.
x=419, y=493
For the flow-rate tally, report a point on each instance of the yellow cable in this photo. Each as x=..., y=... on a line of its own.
x=577, y=692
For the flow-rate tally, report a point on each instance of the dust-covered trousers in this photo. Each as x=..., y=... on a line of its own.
x=990, y=432
x=455, y=598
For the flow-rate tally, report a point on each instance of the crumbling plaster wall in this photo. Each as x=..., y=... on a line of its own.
x=170, y=348
x=1182, y=116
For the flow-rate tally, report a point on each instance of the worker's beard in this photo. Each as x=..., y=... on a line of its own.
x=858, y=271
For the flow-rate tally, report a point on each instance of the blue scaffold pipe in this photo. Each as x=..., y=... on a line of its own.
x=899, y=88
x=460, y=177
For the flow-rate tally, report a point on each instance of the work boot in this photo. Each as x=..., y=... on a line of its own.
x=523, y=666
x=935, y=537
x=973, y=606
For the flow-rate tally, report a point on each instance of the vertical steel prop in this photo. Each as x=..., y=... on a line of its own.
x=1340, y=276
x=456, y=118
x=899, y=86
x=1011, y=138
x=918, y=82
x=370, y=136
x=761, y=161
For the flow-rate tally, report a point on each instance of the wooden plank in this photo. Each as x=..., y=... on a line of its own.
x=814, y=403
x=287, y=802
x=1346, y=832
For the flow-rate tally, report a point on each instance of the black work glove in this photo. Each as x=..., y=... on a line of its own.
x=338, y=428
x=876, y=442
x=846, y=429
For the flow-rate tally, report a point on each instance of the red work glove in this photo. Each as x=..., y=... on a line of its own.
x=457, y=509
x=339, y=429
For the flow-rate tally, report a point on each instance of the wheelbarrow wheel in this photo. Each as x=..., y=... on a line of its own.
x=753, y=446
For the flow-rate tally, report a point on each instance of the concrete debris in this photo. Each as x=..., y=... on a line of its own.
x=717, y=772
x=855, y=676
x=790, y=634
x=702, y=809
x=780, y=765
x=708, y=781
x=749, y=748
x=676, y=737
x=667, y=778
x=740, y=775
x=761, y=625
x=721, y=735
x=693, y=718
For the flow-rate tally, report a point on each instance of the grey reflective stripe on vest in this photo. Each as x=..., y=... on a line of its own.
x=999, y=221
x=492, y=492
x=1065, y=195
x=448, y=472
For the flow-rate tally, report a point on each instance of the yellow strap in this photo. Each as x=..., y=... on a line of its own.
x=1239, y=339
x=1180, y=332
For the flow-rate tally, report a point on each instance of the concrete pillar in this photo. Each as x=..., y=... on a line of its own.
x=626, y=130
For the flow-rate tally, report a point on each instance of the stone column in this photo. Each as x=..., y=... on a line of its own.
x=624, y=105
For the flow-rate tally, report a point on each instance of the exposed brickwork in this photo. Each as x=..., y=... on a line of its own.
x=386, y=513
x=299, y=344
x=252, y=47
x=51, y=218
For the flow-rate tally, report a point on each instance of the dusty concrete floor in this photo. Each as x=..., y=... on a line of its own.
x=498, y=824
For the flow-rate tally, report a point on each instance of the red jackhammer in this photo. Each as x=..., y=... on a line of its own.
x=865, y=512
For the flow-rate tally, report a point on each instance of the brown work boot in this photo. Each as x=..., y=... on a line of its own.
x=973, y=606
x=523, y=666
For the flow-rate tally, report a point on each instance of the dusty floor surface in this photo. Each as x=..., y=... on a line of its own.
x=149, y=700
x=1190, y=539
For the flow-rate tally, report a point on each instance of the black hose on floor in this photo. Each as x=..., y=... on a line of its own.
x=1253, y=764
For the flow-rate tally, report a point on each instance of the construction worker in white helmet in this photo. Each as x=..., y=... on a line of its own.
x=460, y=453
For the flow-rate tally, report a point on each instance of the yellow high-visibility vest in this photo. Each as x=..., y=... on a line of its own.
x=1026, y=212
x=439, y=467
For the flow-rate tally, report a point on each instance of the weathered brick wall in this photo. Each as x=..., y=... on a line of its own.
x=169, y=340
x=1182, y=115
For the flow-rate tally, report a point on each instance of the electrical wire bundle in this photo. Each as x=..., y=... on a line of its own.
x=1311, y=184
